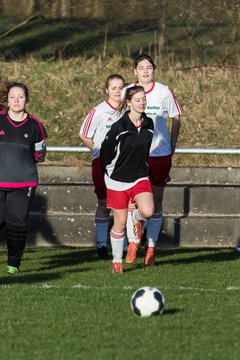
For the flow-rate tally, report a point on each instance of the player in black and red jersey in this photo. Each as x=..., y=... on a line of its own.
x=22, y=145
x=123, y=156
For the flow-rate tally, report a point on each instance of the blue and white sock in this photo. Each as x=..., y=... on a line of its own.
x=102, y=224
x=154, y=224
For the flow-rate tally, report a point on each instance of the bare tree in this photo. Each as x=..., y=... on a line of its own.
x=162, y=26
x=23, y=7
x=65, y=8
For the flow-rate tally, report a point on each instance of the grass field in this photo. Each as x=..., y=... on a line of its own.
x=67, y=305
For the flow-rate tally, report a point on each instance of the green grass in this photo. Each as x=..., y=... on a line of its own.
x=67, y=305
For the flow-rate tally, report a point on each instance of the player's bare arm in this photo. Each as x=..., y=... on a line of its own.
x=176, y=124
x=87, y=141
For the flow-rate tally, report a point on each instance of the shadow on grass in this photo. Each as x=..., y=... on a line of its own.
x=66, y=257
x=48, y=259
x=171, y=311
x=75, y=256
x=198, y=255
x=28, y=279
x=69, y=257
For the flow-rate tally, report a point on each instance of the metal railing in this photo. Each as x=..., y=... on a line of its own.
x=212, y=151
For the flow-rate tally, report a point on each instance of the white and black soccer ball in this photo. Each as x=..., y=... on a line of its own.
x=147, y=301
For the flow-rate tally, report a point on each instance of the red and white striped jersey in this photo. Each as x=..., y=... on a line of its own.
x=97, y=124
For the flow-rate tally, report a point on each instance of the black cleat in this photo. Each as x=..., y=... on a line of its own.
x=102, y=253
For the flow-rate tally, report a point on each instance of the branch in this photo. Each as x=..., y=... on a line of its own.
x=22, y=24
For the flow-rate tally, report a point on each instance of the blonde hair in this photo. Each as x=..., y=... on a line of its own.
x=129, y=93
x=112, y=77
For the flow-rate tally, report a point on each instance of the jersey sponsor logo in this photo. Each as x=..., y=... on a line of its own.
x=151, y=113
x=2, y=132
x=153, y=107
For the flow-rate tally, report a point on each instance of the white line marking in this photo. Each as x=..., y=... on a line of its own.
x=46, y=286
x=195, y=289
x=81, y=286
x=233, y=288
x=125, y=287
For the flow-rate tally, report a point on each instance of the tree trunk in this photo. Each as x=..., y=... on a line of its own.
x=25, y=8
x=162, y=25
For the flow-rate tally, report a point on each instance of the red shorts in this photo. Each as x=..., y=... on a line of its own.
x=159, y=169
x=119, y=200
x=98, y=179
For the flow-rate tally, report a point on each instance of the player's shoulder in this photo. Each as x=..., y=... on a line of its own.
x=99, y=106
x=165, y=90
x=103, y=106
x=128, y=85
x=95, y=112
x=36, y=122
x=161, y=87
x=34, y=119
x=120, y=123
x=3, y=112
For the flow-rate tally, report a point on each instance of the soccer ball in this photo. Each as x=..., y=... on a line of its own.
x=147, y=301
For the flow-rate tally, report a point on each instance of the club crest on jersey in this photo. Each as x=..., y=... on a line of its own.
x=109, y=123
x=26, y=136
x=2, y=132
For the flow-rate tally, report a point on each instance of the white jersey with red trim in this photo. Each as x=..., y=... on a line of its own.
x=161, y=104
x=97, y=124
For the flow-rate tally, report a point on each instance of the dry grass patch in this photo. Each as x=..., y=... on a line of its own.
x=63, y=92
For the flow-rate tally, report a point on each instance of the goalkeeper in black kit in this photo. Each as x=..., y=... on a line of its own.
x=22, y=145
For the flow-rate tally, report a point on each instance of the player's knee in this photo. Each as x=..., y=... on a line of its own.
x=118, y=228
x=15, y=231
x=147, y=211
x=119, y=225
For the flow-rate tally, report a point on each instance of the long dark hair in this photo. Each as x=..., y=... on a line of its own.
x=3, y=93
x=6, y=86
x=142, y=57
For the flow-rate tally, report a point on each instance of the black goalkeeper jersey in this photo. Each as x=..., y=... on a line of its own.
x=22, y=145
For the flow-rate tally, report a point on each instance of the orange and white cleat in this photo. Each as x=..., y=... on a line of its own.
x=131, y=253
x=150, y=256
x=137, y=228
x=117, y=267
